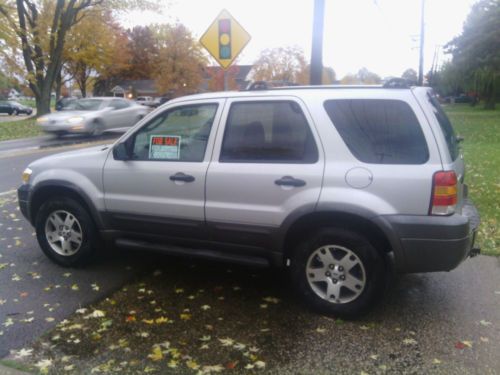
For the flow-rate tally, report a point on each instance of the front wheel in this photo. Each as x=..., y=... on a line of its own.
x=66, y=232
x=338, y=271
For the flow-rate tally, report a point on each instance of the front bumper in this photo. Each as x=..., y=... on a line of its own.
x=23, y=195
x=433, y=243
x=81, y=128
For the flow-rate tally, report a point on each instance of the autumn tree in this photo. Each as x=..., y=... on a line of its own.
x=143, y=52
x=287, y=64
x=179, y=61
x=90, y=48
x=41, y=28
x=363, y=76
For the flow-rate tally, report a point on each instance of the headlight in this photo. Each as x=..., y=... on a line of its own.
x=75, y=120
x=26, y=175
x=42, y=120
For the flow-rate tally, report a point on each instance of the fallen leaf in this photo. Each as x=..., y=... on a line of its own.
x=231, y=365
x=227, y=342
x=410, y=341
x=436, y=361
x=320, y=330
x=463, y=344
x=260, y=364
x=271, y=300
x=205, y=307
x=185, y=316
x=75, y=287
x=157, y=354
x=485, y=323
x=192, y=364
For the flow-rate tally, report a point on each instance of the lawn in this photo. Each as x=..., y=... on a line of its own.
x=481, y=148
x=19, y=129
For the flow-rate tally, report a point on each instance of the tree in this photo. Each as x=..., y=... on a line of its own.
x=363, y=76
x=286, y=64
x=143, y=53
x=41, y=28
x=410, y=75
x=179, y=61
x=476, y=51
x=90, y=48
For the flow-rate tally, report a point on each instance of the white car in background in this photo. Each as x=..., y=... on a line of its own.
x=93, y=116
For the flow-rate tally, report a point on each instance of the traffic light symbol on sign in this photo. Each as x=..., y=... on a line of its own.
x=225, y=39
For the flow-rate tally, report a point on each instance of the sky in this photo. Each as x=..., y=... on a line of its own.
x=381, y=35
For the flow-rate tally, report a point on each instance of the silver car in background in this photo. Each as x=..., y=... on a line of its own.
x=93, y=116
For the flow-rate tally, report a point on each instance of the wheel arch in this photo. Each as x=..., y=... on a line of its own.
x=308, y=223
x=49, y=189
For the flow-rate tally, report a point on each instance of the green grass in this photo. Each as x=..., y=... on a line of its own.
x=19, y=129
x=481, y=148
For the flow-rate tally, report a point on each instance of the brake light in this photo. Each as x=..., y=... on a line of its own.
x=444, y=193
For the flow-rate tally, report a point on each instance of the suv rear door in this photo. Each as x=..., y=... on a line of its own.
x=161, y=190
x=267, y=163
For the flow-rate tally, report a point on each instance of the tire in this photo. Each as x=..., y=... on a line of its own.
x=15, y=112
x=97, y=129
x=350, y=284
x=66, y=219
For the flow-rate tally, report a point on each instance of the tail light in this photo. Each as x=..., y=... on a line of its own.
x=444, y=193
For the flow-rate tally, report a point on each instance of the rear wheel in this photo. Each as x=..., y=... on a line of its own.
x=339, y=272
x=66, y=232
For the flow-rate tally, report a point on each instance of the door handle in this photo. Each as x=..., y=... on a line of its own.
x=290, y=181
x=179, y=176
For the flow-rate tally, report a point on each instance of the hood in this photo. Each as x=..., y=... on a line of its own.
x=91, y=157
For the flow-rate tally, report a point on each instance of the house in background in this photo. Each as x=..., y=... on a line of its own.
x=134, y=88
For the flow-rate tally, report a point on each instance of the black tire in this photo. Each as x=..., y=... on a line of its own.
x=376, y=272
x=97, y=129
x=15, y=112
x=90, y=240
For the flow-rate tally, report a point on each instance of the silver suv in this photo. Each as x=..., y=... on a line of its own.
x=341, y=185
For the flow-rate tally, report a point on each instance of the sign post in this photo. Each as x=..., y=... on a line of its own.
x=224, y=39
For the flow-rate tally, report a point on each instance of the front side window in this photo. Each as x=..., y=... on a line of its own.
x=179, y=134
x=379, y=131
x=268, y=132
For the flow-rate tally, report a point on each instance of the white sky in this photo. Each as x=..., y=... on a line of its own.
x=381, y=35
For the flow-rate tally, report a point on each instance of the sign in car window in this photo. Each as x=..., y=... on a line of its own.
x=164, y=147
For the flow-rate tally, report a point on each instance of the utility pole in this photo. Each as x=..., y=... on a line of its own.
x=317, y=43
x=422, y=37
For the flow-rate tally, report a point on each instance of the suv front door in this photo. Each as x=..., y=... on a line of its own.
x=268, y=162
x=161, y=189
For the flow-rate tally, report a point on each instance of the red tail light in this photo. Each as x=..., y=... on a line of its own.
x=444, y=193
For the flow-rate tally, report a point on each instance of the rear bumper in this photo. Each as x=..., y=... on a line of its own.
x=432, y=243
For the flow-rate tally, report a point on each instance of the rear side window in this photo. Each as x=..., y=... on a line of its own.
x=446, y=127
x=379, y=131
x=268, y=132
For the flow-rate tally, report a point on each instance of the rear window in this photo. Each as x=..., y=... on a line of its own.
x=379, y=131
x=446, y=127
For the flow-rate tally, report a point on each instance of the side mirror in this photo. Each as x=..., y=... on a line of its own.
x=120, y=152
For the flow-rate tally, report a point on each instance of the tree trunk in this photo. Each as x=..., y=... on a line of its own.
x=58, y=85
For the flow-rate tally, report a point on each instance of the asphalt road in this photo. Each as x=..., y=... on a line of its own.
x=433, y=323
x=25, y=273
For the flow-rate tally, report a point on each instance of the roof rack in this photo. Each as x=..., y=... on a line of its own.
x=397, y=83
x=267, y=85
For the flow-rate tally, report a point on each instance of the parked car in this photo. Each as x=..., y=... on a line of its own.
x=341, y=186
x=93, y=116
x=14, y=108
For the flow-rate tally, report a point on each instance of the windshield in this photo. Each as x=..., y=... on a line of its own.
x=84, y=105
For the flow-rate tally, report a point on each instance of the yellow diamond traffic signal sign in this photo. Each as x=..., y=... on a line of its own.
x=225, y=38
